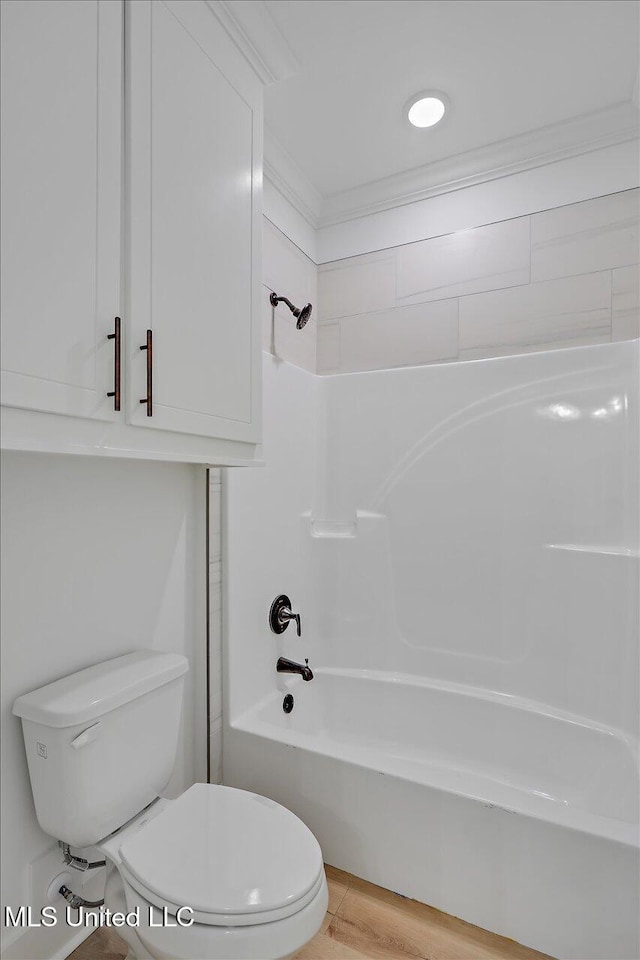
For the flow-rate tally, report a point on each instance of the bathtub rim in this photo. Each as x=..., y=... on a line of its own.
x=538, y=808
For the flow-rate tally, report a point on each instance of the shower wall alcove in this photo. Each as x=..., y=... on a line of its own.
x=462, y=543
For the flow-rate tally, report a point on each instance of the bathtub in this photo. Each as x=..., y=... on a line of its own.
x=510, y=814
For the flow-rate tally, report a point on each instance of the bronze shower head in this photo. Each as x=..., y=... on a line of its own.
x=301, y=314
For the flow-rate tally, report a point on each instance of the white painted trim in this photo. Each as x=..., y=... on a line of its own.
x=255, y=33
x=536, y=148
x=557, y=142
x=32, y=945
x=35, y=431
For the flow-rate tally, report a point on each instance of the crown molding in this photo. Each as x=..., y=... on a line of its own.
x=287, y=177
x=546, y=145
x=254, y=31
x=560, y=141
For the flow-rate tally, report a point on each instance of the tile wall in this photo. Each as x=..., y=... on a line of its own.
x=289, y=272
x=563, y=277
x=215, y=627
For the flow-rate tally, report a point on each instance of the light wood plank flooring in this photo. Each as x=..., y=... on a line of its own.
x=365, y=922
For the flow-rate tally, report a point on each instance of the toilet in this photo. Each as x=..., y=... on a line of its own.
x=219, y=873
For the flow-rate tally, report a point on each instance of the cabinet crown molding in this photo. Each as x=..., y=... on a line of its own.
x=254, y=31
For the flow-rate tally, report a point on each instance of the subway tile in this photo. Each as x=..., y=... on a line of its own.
x=215, y=523
x=215, y=598
x=572, y=310
x=469, y=261
x=215, y=700
x=215, y=509
x=215, y=667
x=215, y=547
x=486, y=353
x=585, y=237
x=215, y=642
x=625, y=299
x=215, y=750
x=357, y=285
x=404, y=336
x=328, y=348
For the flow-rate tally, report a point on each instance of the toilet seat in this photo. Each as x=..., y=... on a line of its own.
x=234, y=858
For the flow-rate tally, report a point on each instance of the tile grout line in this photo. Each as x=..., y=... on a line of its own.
x=477, y=293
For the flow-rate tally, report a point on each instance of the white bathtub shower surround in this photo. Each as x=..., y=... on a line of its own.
x=470, y=533
x=523, y=756
x=498, y=532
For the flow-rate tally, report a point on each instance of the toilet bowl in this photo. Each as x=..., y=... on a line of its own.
x=218, y=873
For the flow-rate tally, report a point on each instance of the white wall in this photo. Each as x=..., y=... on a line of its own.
x=99, y=557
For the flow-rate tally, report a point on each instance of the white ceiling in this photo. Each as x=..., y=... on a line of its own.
x=508, y=67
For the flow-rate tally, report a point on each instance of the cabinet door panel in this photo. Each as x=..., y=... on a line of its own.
x=192, y=210
x=61, y=173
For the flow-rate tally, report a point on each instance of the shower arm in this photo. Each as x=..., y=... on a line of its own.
x=274, y=300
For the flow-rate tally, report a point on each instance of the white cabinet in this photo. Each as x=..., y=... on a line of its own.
x=194, y=223
x=61, y=199
x=132, y=154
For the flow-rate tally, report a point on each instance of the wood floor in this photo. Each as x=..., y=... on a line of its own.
x=365, y=922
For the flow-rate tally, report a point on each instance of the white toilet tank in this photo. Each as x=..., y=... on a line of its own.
x=101, y=743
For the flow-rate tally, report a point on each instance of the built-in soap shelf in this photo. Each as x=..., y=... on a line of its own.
x=325, y=529
x=603, y=550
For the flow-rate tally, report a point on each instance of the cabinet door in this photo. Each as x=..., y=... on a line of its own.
x=61, y=175
x=194, y=165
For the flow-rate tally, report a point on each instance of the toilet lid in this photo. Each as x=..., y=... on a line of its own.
x=234, y=857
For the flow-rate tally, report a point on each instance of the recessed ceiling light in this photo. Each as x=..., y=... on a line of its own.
x=426, y=110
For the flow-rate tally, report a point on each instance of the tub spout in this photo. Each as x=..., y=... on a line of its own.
x=289, y=666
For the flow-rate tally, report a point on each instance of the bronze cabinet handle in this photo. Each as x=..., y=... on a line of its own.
x=148, y=346
x=115, y=336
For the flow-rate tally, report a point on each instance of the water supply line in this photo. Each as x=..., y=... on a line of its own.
x=76, y=901
x=78, y=863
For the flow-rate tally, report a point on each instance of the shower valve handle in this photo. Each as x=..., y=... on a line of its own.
x=281, y=613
